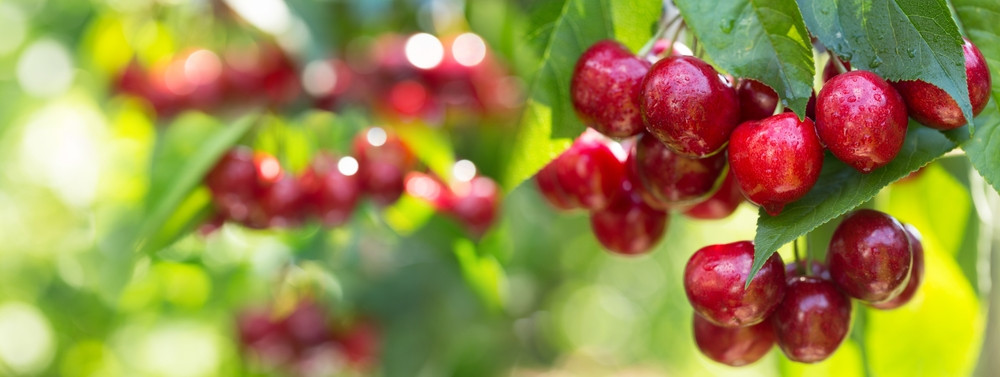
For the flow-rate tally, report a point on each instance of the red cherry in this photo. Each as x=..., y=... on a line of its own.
x=383, y=161
x=590, y=172
x=757, y=100
x=360, y=344
x=475, y=204
x=916, y=273
x=632, y=175
x=264, y=338
x=237, y=180
x=552, y=190
x=807, y=268
x=629, y=226
x=776, y=161
x=674, y=179
x=714, y=281
x=689, y=106
x=812, y=320
x=721, y=204
x=605, y=89
x=830, y=70
x=308, y=324
x=279, y=206
x=869, y=256
x=733, y=346
x=330, y=192
x=861, y=119
x=933, y=107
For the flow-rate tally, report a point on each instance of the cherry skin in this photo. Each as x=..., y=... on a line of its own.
x=721, y=204
x=757, y=100
x=830, y=70
x=264, y=337
x=776, y=160
x=689, y=106
x=590, y=172
x=802, y=268
x=869, y=256
x=383, y=161
x=278, y=206
x=733, y=346
x=674, y=179
x=813, y=319
x=916, y=274
x=308, y=324
x=552, y=190
x=861, y=119
x=714, y=281
x=633, y=175
x=629, y=226
x=605, y=89
x=934, y=108
x=238, y=179
x=475, y=204
x=330, y=193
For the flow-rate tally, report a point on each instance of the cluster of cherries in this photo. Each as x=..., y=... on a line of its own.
x=685, y=114
x=252, y=189
x=307, y=342
x=804, y=307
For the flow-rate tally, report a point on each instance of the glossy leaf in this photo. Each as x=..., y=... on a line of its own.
x=983, y=145
x=840, y=189
x=763, y=40
x=897, y=39
x=564, y=30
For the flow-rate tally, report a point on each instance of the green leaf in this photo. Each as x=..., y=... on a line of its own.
x=549, y=123
x=765, y=40
x=840, y=189
x=189, y=149
x=897, y=39
x=982, y=146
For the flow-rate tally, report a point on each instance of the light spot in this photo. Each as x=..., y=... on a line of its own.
x=319, y=78
x=464, y=170
x=202, y=67
x=27, y=344
x=13, y=27
x=468, y=49
x=424, y=51
x=376, y=136
x=347, y=166
x=271, y=16
x=45, y=69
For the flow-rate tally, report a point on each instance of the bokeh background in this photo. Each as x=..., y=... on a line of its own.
x=84, y=159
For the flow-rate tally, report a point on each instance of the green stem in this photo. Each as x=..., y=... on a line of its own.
x=659, y=34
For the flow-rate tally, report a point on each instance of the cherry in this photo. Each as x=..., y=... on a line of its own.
x=861, y=119
x=278, y=206
x=721, y=204
x=933, y=107
x=810, y=106
x=757, y=100
x=605, y=89
x=714, y=281
x=238, y=178
x=916, y=273
x=812, y=320
x=776, y=160
x=688, y=106
x=733, y=346
x=807, y=268
x=590, y=172
x=359, y=344
x=830, y=70
x=307, y=324
x=552, y=190
x=869, y=256
x=629, y=226
x=383, y=160
x=475, y=204
x=674, y=179
x=264, y=337
x=633, y=175
x=330, y=191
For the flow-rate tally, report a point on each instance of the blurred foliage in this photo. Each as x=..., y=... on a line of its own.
x=83, y=169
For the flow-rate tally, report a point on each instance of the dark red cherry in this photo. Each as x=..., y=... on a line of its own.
x=605, y=89
x=552, y=190
x=590, y=172
x=776, y=160
x=264, y=338
x=632, y=174
x=629, y=226
x=830, y=70
x=279, y=206
x=806, y=268
x=383, y=161
x=869, y=256
x=674, y=179
x=475, y=204
x=757, y=100
x=933, y=107
x=721, y=204
x=238, y=179
x=812, y=320
x=689, y=106
x=331, y=188
x=733, y=346
x=916, y=273
x=861, y=119
x=714, y=281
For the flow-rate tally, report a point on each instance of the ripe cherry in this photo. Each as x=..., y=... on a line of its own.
x=383, y=161
x=916, y=273
x=689, y=106
x=278, y=206
x=552, y=190
x=590, y=172
x=238, y=179
x=629, y=225
x=475, y=204
x=674, y=179
x=757, y=100
x=633, y=175
x=776, y=160
x=869, y=256
x=861, y=119
x=933, y=107
x=714, y=281
x=830, y=70
x=733, y=346
x=308, y=324
x=721, y=204
x=806, y=268
x=812, y=320
x=605, y=89
x=330, y=190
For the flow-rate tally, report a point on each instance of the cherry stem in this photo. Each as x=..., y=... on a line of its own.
x=800, y=267
x=837, y=63
x=659, y=34
x=677, y=33
x=779, y=108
